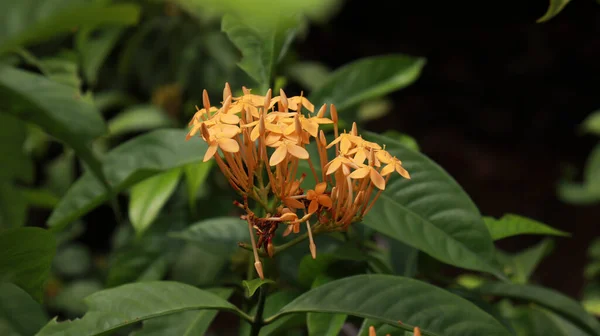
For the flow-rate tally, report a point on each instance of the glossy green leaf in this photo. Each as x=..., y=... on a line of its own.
x=310, y=269
x=381, y=329
x=537, y=321
x=557, y=302
x=513, y=225
x=555, y=7
x=115, y=308
x=25, y=258
x=373, y=109
x=124, y=166
x=149, y=196
x=521, y=265
x=95, y=49
x=366, y=79
x=389, y=298
x=23, y=315
x=591, y=124
x=323, y=324
x=188, y=323
x=195, y=175
x=404, y=139
x=262, y=47
x=29, y=22
x=253, y=285
x=432, y=213
x=139, y=118
x=215, y=233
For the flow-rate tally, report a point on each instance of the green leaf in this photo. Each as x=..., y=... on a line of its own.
x=23, y=315
x=115, y=308
x=25, y=258
x=591, y=173
x=577, y=193
x=404, y=139
x=70, y=299
x=62, y=70
x=40, y=198
x=537, y=321
x=188, y=323
x=254, y=284
x=217, y=234
x=310, y=269
x=432, y=213
x=366, y=79
x=274, y=303
x=373, y=109
x=389, y=298
x=591, y=124
x=149, y=196
x=139, y=118
x=323, y=324
x=30, y=22
x=195, y=175
x=124, y=166
x=308, y=74
x=555, y=7
x=13, y=206
x=521, y=265
x=262, y=46
x=513, y=225
x=94, y=50
x=15, y=162
x=73, y=260
x=557, y=302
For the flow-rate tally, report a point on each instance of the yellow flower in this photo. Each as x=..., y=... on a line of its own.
x=340, y=162
x=373, y=174
x=285, y=147
x=318, y=197
x=396, y=165
x=220, y=136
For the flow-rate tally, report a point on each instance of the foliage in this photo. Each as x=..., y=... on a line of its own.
x=97, y=97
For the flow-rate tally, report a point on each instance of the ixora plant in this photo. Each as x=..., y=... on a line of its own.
x=310, y=227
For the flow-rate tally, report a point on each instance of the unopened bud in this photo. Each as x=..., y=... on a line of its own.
x=205, y=101
x=267, y=102
x=226, y=92
x=270, y=249
x=334, y=115
x=322, y=110
x=283, y=99
x=259, y=269
x=416, y=331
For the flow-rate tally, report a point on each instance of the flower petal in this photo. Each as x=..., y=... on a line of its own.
x=297, y=151
x=387, y=170
x=360, y=173
x=293, y=203
x=403, y=172
x=321, y=187
x=229, y=145
x=311, y=195
x=255, y=134
x=313, y=206
x=334, y=165
x=278, y=156
x=231, y=119
x=345, y=145
x=377, y=180
x=325, y=201
x=311, y=127
x=210, y=152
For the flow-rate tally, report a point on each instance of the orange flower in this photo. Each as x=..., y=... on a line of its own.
x=396, y=165
x=317, y=197
x=373, y=174
x=220, y=136
x=340, y=162
x=284, y=148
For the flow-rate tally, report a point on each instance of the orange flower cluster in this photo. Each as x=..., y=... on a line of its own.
x=265, y=142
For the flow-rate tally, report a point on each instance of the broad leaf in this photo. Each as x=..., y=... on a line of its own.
x=23, y=315
x=253, y=285
x=139, y=118
x=262, y=46
x=149, y=196
x=25, y=258
x=513, y=225
x=432, y=213
x=391, y=299
x=70, y=298
x=310, y=75
x=559, y=303
x=215, y=233
x=555, y=7
x=124, y=166
x=536, y=321
x=323, y=324
x=188, y=323
x=367, y=79
x=195, y=175
x=112, y=309
x=56, y=108
x=29, y=22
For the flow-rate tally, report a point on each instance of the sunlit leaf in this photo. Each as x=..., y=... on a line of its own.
x=23, y=315
x=124, y=166
x=25, y=258
x=555, y=7
x=432, y=213
x=112, y=309
x=513, y=225
x=391, y=299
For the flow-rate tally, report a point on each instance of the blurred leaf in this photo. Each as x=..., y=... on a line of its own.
x=23, y=315
x=30, y=22
x=577, y=193
x=447, y=226
x=254, y=284
x=262, y=47
x=73, y=260
x=107, y=100
x=555, y=7
x=199, y=266
x=309, y=74
x=13, y=206
x=367, y=79
x=390, y=298
x=273, y=303
x=591, y=298
x=62, y=70
x=536, y=321
x=115, y=308
x=15, y=162
x=25, y=258
x=40, y=198
x=513, y=225
x=310, y=269
x=557, y=302
x=404, y=258
x=374, y=109
x=124, y=166
x=57, y=108
x=219, y=234
x=95, y=49
x=470, y=281
x=323, y=324
x=139, y=118
x=60, y=172
x=521, y=265
x=71, y=297
x=591, y=124
x=195, y=175
x=149, y=196
x=189, y=323
x=591, y=173
x=404, y=139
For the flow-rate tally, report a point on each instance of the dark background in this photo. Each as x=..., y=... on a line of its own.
x=498, y=104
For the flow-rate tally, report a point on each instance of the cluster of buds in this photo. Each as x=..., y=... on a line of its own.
x=260, y=145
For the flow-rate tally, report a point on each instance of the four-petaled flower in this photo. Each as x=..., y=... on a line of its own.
x=318, y=197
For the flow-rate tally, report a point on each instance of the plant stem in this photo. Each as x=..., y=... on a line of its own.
x=281, y=248
x=258, y=318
